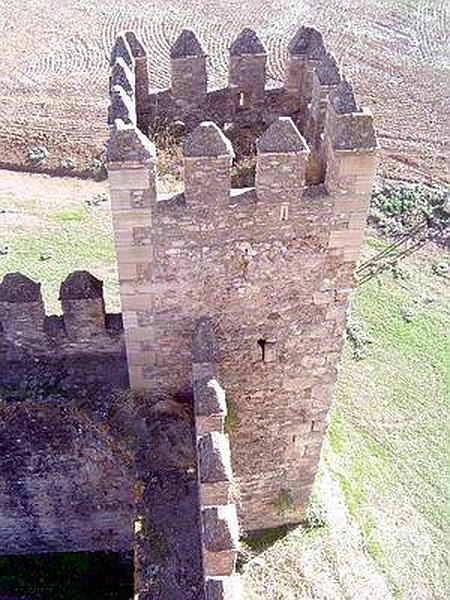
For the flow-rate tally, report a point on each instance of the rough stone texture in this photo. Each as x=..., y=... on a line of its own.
x=185, y=45
x=214, y=458
x=307, y=40
x=281, y=136
x=207, y=140
x=63, y=486
x=247, y=42
x=122, y=76
x=220, y=528
x=121, y=107
x=343, y=99
x=128, y=144
x=209, y=397
x=122, y=49
x=137, y=49
x=267, y=268
x=204, y=344
x=17, y=288
x=81, y=285
x=327, y=70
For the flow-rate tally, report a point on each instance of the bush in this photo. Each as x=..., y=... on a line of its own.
x=395, y=209
x=315, y=516
x=358, y=337
x=68, y=164
x=37, y=155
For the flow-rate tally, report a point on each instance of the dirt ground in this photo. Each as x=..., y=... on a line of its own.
x=54, y=74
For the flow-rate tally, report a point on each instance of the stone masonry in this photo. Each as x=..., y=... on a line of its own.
x=271, y=267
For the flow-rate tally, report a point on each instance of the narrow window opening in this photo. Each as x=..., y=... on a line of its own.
x=262, y=345
x=268, y=350
x=241, y=99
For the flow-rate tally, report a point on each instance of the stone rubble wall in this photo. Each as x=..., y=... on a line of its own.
x=217, y=488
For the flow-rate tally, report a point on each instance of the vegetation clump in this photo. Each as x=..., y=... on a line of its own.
x=37, y=155
x=397, y=209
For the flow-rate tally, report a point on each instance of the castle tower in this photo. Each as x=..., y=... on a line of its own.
x=247, y=68
x=271, y=267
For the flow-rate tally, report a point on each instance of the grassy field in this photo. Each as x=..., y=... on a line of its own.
x=379, y=520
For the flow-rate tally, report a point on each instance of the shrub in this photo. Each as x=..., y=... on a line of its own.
x=315, y=516
x=358, y=337
x=395, y=209
x=69, y=164
x=37, y=155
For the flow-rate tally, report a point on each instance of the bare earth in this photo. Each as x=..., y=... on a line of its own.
x=54, y=73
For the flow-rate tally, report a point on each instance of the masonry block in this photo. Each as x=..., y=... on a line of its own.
x=281, y=163
x=208, y=155
x=22, y=310
x=188, y=69
x=214, y=458
x=81, y=296
x=247, y=68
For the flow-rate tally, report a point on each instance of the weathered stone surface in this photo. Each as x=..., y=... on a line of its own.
x=128, y=144
x=307, y=40
x=327, y=70
x=207, y=140
x=205, y=348
x=80, y=285
x=122, y=49
x=281, y=136
x=343, y=99
x=214, y=458
x=122, y=76
x=220, y=528
x=185, y=45
x=122, y=107
x=247, y=42
x=209, y=397
x=135, y=45
x=19, y=288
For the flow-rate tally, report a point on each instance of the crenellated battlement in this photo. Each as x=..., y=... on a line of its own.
x=271, y=266
x=83, y=327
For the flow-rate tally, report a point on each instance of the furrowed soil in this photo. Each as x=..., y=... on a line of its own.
x=54, y=74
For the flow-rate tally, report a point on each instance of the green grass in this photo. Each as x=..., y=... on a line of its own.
x=47, y=240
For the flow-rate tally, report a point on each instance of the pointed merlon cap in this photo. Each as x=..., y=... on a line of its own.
x=123, y=76
x=327, y=70
x=186, y=45
x=209, y=397
x=207, y=140
x=80, y=285
x=17, y=288
x=307, y=41
x=121, y=49
x=128, y=144
x=282, y=136
x=247, y=42
x=135, y=45
x=343, y=99
x=204, y=343
x=122, y=107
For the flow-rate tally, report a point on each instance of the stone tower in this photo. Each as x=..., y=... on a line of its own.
x=270, y=267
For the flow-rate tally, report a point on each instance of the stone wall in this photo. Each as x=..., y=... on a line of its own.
x=65, y=483
x=272, y=266
x=217, y=489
